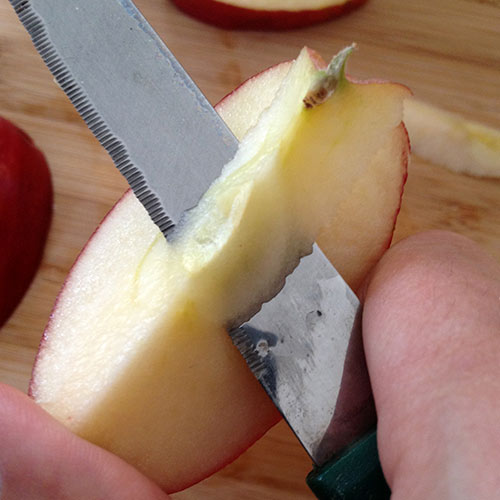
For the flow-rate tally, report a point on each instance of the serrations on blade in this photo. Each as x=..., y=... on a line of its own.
x=149, y=198
x=110, y=143
x=115, y=148
x=249, y=352
x=166, y=226
x=21, y=7
x=19, y=4
x=58, y=68
x=49, y=55
x=125, y=167
x=101, y=130
x=136, y=181
x=44, y=44
x=72, y=91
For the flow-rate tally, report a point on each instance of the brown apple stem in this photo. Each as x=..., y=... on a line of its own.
x=329, y=79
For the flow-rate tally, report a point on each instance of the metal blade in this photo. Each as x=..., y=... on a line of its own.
x=135, y=97
x=305, y=349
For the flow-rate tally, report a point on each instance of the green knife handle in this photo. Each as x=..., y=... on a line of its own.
x=355, y=474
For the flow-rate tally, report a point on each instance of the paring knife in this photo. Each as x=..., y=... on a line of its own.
x=304, y=346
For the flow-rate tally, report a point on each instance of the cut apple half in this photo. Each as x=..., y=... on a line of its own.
x=25, y=214
x=136, y=357
x=265, y=14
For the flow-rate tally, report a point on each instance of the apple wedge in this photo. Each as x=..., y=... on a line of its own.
x=136, y=356
x=265, y=14
x=25, y=214
x=450, y=140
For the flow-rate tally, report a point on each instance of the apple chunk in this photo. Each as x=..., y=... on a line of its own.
x=266, y=14
x=25, y=214
x=136, y=357
x=452, y=141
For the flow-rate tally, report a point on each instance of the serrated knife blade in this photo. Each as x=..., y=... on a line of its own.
x=166, y=139
x=289, y=357
x=135, y=97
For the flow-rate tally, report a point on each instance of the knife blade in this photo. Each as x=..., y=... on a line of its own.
x=159, y=128
x=125, y=83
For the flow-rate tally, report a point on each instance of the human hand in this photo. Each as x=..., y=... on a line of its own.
x=42, y=460
x=431, y=330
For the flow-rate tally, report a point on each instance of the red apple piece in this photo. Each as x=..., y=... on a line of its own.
x=265, y=14
x=25, y=214
x=135, y=357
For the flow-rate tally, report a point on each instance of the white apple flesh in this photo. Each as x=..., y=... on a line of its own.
x=136, y=357
x=452, y=141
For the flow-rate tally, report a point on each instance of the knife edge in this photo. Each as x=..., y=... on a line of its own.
x=36, y=28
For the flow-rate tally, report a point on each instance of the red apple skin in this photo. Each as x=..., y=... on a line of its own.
x=25, y=214
x=228, y=16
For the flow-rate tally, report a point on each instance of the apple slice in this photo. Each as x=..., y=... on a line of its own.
x=266, y=14
x=450, y=140
x=136, y=357
x=345, y=240
x=25, y=214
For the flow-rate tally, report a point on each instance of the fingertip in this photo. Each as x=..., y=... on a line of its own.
x=41, y=459
x=431, y=331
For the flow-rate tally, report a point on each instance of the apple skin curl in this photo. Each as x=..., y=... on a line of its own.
x=25, y=214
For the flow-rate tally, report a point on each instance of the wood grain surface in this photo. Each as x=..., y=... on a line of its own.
x=446, y=51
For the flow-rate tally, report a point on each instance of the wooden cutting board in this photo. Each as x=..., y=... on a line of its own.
x=446, y=51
